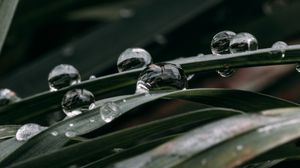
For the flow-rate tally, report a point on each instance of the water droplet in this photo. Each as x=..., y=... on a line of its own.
x=226, y=72
x=27, y=131
x=70, y=134
x=200, y=55
x=162, y=76
x=133, y=58
x=298, y=67
x=77, y=101
x=109, y=111
x=7, y=97
x=92, y=120
x=243, y=42
x=62, y=76
x=281, y=46
x=71, y=124
x=92, y=77
x=124, y=100
x=54, y=133
x=239, y=147
x=220, y=42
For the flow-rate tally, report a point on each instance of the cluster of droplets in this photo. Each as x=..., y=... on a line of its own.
x=28, y=131
x=228, y=42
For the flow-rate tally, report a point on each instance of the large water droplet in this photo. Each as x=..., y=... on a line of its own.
x=133, y=58
x=7, y=97
x=62, y=76
x=109, y=111
x=220, y=42
x=243, y=42
x=77, y=101
x=162, y=76
x=281, y=46
x=27, y=131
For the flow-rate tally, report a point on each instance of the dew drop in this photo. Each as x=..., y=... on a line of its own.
x=70, y=134
x=243, y=42
x=124, y=100
x=281, y=46
x=92, y=120
x=220, y=42
x=162, y=76
x=239, y=147
x=226, y=72
x=54, y=133
x=71, y=124
x=92, y=77
x=77, y=101
x=27, y=131
x=133, y=58
x=109, y=111
x=7, y=97
x=62, y=76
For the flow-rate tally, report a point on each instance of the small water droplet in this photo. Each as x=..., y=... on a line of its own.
x=298, y=67
x=124, y=100
x=226, y=72
x=92, y=120
x=117, y=150
x=200, y=55
x=109, y=111
x=77, y=101
x=70, y=134
x=162, y=76
x=54, y=133
x=220, y=42
x=133, y=58
x=62, y=76
x=281, y=46
x=243, y=42
x=92, y=77
x=71, y=124
x=239, y=147
x=7, y=97
x=27, y=131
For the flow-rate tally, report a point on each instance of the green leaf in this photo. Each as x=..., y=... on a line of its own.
x=50, y=101
x=8, y=131
x=201, y=139
x=103, y=145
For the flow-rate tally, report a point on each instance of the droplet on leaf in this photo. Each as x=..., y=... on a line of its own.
x=243, y=42
x=109, y=111
x=27, y=131
x=133, y=58
x=220, y=42
x=7, y=97
x=281, y=46
x=62, y=76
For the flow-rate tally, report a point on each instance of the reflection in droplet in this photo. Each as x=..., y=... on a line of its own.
x=62, y=76
x=243, y=42
x=281, y=46
x=7, y=97
x=220, y=42
x=77, y=101
x=109, y=111
x=162, y=76
x=133, y=58
x=27, y=131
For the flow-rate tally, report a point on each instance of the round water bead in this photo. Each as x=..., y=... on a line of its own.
x=27, y=131
x=281, y=46
x=243, y=42
x=63, y=75
x=109, y=111
x=162, y=76
x=7, y=97
x=77, y=101
x=133, y=58
x=220, y=42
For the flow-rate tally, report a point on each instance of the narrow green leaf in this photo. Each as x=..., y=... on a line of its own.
x=8, y=131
